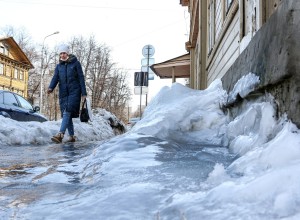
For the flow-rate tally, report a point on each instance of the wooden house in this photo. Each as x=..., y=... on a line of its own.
x=14, y=67
x=231, y=38
x=219, y=32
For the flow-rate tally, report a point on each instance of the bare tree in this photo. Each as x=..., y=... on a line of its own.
x=50, y=102
x=117, y=94
x=106, y=84
x=23, y=39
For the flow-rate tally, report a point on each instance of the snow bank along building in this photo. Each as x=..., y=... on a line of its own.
x=14, y=67
x=231, y=38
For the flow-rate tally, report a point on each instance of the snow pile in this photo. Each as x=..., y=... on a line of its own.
x=243, y=87
x=261, y=183
x=263, y=180
x=252, y=128
x=183, y=113
x=22, y=133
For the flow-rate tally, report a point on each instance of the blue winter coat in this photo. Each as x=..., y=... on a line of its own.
x=70, y=79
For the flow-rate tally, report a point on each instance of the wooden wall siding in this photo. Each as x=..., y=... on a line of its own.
x=8, y=71
x=253, y=17
x=249, y=16
x=8, y=80
x=193, y=75
x=14, y=58
x=194, y=3
x=211, y=24
x=215, y=49
x=197, y=65
x=5, y=81
x=227, y=52
x=194, y=23
x=228, y=49
x=203, y=45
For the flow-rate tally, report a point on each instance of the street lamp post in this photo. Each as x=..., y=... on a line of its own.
x=42, y=71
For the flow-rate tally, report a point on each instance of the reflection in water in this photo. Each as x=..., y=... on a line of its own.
x=128, y=177
x=23, y=169
x=16, y=169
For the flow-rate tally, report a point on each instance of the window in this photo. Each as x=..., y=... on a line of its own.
x=21, y=74
x=1, y=69
x=24, y=103
x=7, y=71
x=2, y=49
x=211, y=25
x=228, y=3
x=9, y=99
x=16, y=73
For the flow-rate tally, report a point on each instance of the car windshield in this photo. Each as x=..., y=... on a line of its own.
x=24, y=103
x=1, y=98
x=9, y=99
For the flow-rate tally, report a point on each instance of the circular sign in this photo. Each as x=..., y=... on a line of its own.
x=148, y=51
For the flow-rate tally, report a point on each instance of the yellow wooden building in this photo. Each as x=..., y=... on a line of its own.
x=14, y=67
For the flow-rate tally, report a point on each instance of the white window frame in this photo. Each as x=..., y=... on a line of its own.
x=228, y=3
x=16, y=73
x=21, y=74
x=2, y=49
x=1, y=69
x=211, y=25
x=8, y=71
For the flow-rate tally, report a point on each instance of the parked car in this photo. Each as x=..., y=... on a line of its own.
x=18, y=108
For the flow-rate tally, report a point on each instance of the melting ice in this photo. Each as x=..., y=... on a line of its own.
x=185, y=159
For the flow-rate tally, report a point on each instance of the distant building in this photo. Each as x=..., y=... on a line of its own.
x=14, y=67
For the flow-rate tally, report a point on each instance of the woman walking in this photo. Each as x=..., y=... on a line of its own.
x=70, y=79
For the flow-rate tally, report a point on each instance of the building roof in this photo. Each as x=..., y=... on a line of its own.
x=184, y=2
x=180, y=65
x=16, y=51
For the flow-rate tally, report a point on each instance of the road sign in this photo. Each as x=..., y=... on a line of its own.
x=141, y=79
x=147, y=61
x=148, y=50
x=139, y=89
x=147, y=69
x=150, y=72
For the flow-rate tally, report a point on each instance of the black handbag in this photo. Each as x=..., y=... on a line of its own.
x=84, y=114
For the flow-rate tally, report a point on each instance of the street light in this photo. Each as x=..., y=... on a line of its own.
x=42, y=71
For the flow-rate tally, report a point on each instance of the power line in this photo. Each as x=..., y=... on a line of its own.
x=145, y=34
x=86, y=6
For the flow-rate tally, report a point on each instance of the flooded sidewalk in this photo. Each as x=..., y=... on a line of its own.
x=127, y=177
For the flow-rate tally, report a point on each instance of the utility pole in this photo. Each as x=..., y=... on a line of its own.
x=148, y=51
x=42, y=72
